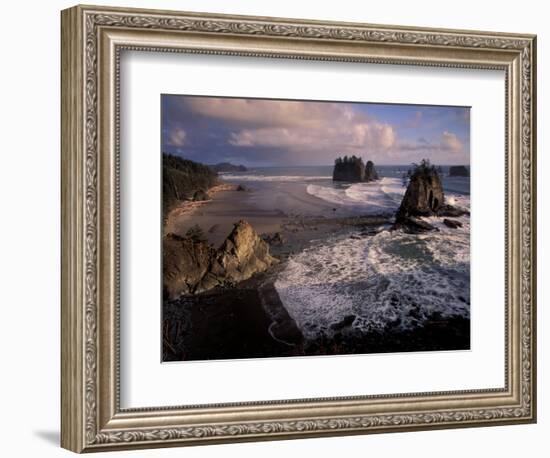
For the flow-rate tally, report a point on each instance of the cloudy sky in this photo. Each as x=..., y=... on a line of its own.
x=262, y=132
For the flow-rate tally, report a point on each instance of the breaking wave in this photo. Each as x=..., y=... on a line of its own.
x=293, y=178
x=382, y=196
x=391, y=278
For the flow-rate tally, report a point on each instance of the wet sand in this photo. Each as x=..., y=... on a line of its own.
x=288, y=210
x=217, y=216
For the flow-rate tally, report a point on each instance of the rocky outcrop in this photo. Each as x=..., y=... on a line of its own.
x=412, y=225
x=370, y=172
x=452, y=223
x=276, y=239
x=353, y=169
x=452, y=211
x=424, y=195
x=191, y=266
x=458, y=171
x=344, y=323
x=185, y=262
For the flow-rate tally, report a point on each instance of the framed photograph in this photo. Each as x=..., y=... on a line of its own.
x=278, y=228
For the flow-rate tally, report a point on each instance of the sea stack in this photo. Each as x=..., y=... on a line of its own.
x=424, y=195
x=353, y=169
x=370, y=172
x=458, y=171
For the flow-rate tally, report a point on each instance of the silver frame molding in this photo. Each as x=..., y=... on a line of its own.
x=92, y=40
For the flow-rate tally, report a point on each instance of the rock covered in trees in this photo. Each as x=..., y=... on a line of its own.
x=424, y=195
x=370, y=172
x=191, y=266
x=353, y=169
x=458, y=171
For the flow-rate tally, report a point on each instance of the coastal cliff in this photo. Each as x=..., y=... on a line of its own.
x=183, y=179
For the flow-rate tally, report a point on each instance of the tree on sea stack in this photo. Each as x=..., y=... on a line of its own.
x=353, y=169
x=424, y=195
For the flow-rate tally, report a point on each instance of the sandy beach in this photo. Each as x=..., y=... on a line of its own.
x=283, y=208
x=218, y=215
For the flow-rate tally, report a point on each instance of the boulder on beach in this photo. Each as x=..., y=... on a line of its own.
x=353, y=169
x=191, y=266
x=458, y=171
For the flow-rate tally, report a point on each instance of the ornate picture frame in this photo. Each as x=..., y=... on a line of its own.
x=92, y=41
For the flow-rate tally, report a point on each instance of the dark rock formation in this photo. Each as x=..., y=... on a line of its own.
x=453, y=212
x=228, y=167
x=412, y=225
x=200, y=194
x=353, y=169
x=275, y=239
x=424, y=195
x=452, y=223
x=191, y=265
x=344, y=323
x=458, y=171
x=185, y=262
x=247, y=322
x=370, y=172
x=242, y=187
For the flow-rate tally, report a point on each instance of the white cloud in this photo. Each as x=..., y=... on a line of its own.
x=305, y=132
x=299, y=127
x=450, y=142
x=177, y=137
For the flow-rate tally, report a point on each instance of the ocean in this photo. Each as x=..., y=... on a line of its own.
x=391, y=278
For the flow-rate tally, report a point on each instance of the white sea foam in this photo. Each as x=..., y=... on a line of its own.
x=382, y=196
x=391, y=277
x=283, y=178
